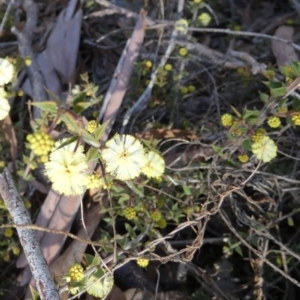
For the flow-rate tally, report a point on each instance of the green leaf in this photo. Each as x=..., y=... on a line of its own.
x=93, y=154
x=70, y=121
x=296, y=68
x=135, y=189
x=80, y=97
x=130, y=230
x=81, y=106
x=247, y=145
x=277, y=92
x=290, y=222
x=48, y=106
x=88, y=138
x=274, y=84
x=296, y=103
x=263, y=97
x=100, y=130
x=287, y=71
x=236, y=111
x=250, y=114
x=238, y=249
x=186, y=190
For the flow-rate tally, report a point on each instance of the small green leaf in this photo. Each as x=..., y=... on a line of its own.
x=287, y=71
x=48, y=106
x=247, y=145
x=186, y=190
x=296, y=68
x=134, y=188
x=238, y=249
x=130, y=230
x=236, y=111
x=93, y=154
x=89, y=139
x=263, y=97
x=250, y=114
x=296, y=103
x=70, y=121
x=290, y=221
x=100, y=130
x=277, y=92
x=80, y=97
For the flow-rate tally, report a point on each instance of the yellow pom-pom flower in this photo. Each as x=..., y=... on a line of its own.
x=76, y=272
x=226, y=120
x=182, y=26
x=142, y=262
x=184, y=90
x=16, y=250
x=124, y=157
x=296, y=119
x=258, y=135
x=274, y=122
x=156, y=215
x=265, y=149
x=67, y=169
x=283, y=109
x=205, y=19
x=41, y=143
x=155, y=165
x=148, y=63
x=183, y=51
x=243, y=158
x=4, y=108
x=168, y=67
x=161, y=223
x=93, y=182
x=6, y=71
x=129, y=213
x=197, y=1
x=28, y=61
x=8, y=232
x=191, y=88
x=92, y=126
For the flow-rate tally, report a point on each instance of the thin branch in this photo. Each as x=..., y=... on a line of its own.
x=38, y=265
x=246, y=33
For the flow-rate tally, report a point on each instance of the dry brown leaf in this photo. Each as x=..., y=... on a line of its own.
x=284, y=53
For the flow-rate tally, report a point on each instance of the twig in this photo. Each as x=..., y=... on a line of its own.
x=38, y=265
x=33, y=71
x=11, y=2
x=246, y=244
x=245, y=33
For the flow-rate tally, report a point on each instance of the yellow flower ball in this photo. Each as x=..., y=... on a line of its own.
x=92, y=126
x=258, y=135
x=183, y=51
x=205, y=19
x=156, y=215
x=129, y=213
x=155, y=165
x=226, y=120
x=191, y=88
x=28, y=61
x=76, y=272
x=197, y=1
x=20, y=93
x=296, y=119
x=283, y=109
x=8, y=232
x=148, y=63
x=161, y=223
x=124, y=157
x=168, y=67
x=182, y=26
x=4, y=108
x=16, y=250
x=67, y=169
x=243, y=158
x=274, y=122
x=237, y=132
x=184, y=90
x=6, y=71
x=142, y=262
